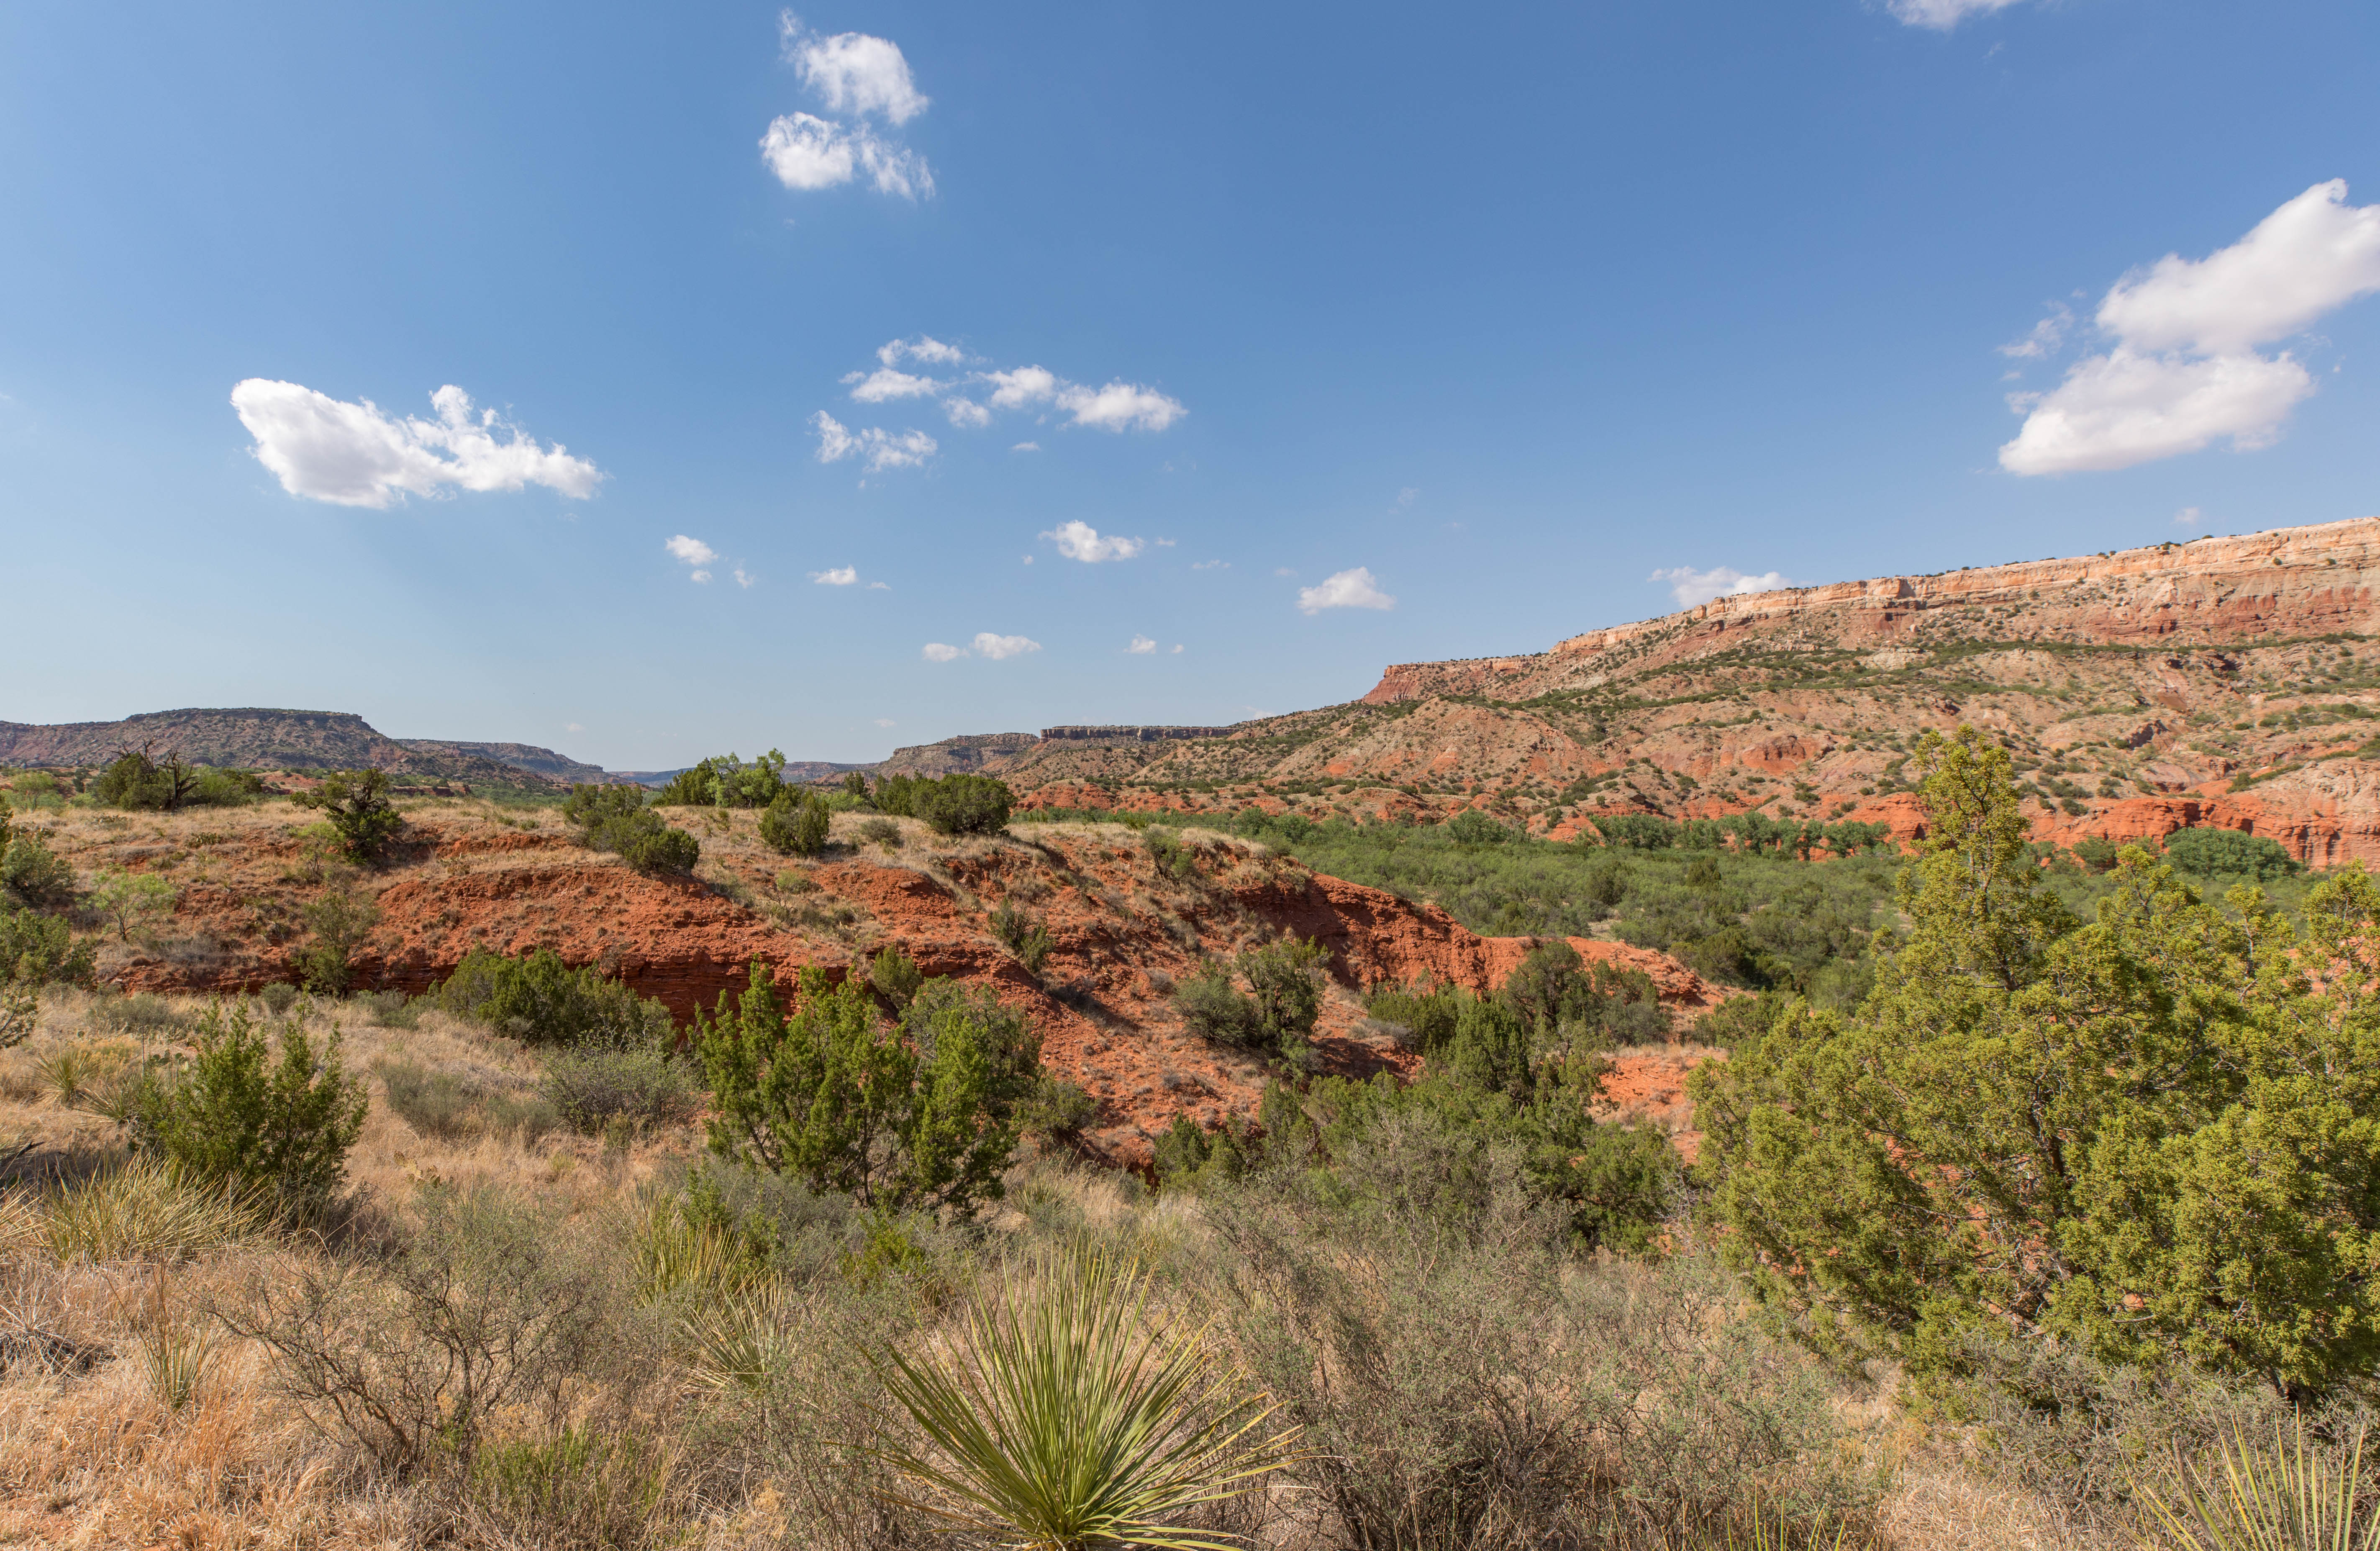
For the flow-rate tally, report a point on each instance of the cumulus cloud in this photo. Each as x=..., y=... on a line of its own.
x=2189, y=517
x=1142, y=646
x=875, y=387
x=925, y=347
x=1177, y=648
x=1691, y=587
x=842, y=576
x=880, y=587
x=1026, y=386
x=882, y=448
x=573, y=728
x=2185, y=369
x=807, y=152
x=694, y=552
x=997, y=647
x=854, y=73
x=1079, y=540
x=966, y=414
x=1351, y=589
x=743, y=577
x=885, y=722
x=938, y=652
x=1943, y=15
x=357, y=455
x=1120, y=407
x=1210, y=564
x=1027, y=447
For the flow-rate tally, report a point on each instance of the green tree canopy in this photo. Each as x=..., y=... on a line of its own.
x=2151, y=1137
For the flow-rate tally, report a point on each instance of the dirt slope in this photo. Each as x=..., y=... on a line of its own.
x=1124, y=932
x=2227, y=682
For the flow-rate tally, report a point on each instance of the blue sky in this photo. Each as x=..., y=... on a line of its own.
x=1376, y=334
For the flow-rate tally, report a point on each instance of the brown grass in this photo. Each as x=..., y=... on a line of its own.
x=96, y=1457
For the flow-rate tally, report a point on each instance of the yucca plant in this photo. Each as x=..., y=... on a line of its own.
x=2292, y=1495
x=175, y=1356
x=1074, y=1416
x=143, y=1211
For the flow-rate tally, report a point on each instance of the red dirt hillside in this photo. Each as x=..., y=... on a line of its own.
x=2228, y=681
x=469, y=874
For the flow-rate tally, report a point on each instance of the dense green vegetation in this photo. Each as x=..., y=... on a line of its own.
x=725, y=781
x=356, y=805
x=539, y=999
x=2154, y=1135
x=134, y=780
x=615, y=818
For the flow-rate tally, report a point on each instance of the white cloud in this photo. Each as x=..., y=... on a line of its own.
x=1691, y=587
x=1210, y=564
x=1177, y=648
x=1078, y=539
x=2047, y=335
x=936, y=651
x=1165, y=544
x=966, y=414
x=885, y=382
x=884, y=449
x=886, y=722
x=1942, y=15
x=1120, y=407
x=2184, y=370
x=573, y=728
x=1408, y=496
x=1027, y=447
x=842, y=576
x=1351, y=589
x=807, y=152
x=853, y=72
x=1142, y=647
x=925, y=347
x=997, y=647
x=1026, y=386
x=701, y=576
x=880, y=587
x=694, y=552
x=357, y=455
x=743, y=577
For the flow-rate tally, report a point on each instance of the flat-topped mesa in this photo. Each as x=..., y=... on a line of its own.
x=1127, y=734
x=2287, y=581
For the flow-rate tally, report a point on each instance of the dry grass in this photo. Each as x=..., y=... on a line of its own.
x=100, y=1457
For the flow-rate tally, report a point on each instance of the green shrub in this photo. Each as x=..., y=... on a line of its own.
x=894, y=976
x=897, y=795
x=1210, y=1003
x=1284, y=1000
x=1644, y=832
x=32, y=876
x=134, y=780
x=796, y=826
x=1022, y=936
x=233, y=1115
x=355, y=803
x=963, y=804
x=1172, y=859
x=921, y=1114
x=2152, y=1129
x=391, y=1009
x=725, y=781
x=594, y=1087
x=2228, y=856
x=1057, y=1107
x=130, y=899
x=882, y=832
x=36, y=949
x=614, y=818
x=539, y=999
x=1472, y=827
x=340, y=920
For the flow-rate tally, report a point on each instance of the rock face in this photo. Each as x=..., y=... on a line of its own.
x=2225, y=681
x=1123, y=932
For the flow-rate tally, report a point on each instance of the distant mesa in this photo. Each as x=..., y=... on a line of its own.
x=1128, y=735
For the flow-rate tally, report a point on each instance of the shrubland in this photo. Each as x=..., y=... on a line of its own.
x=2026, y=1192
